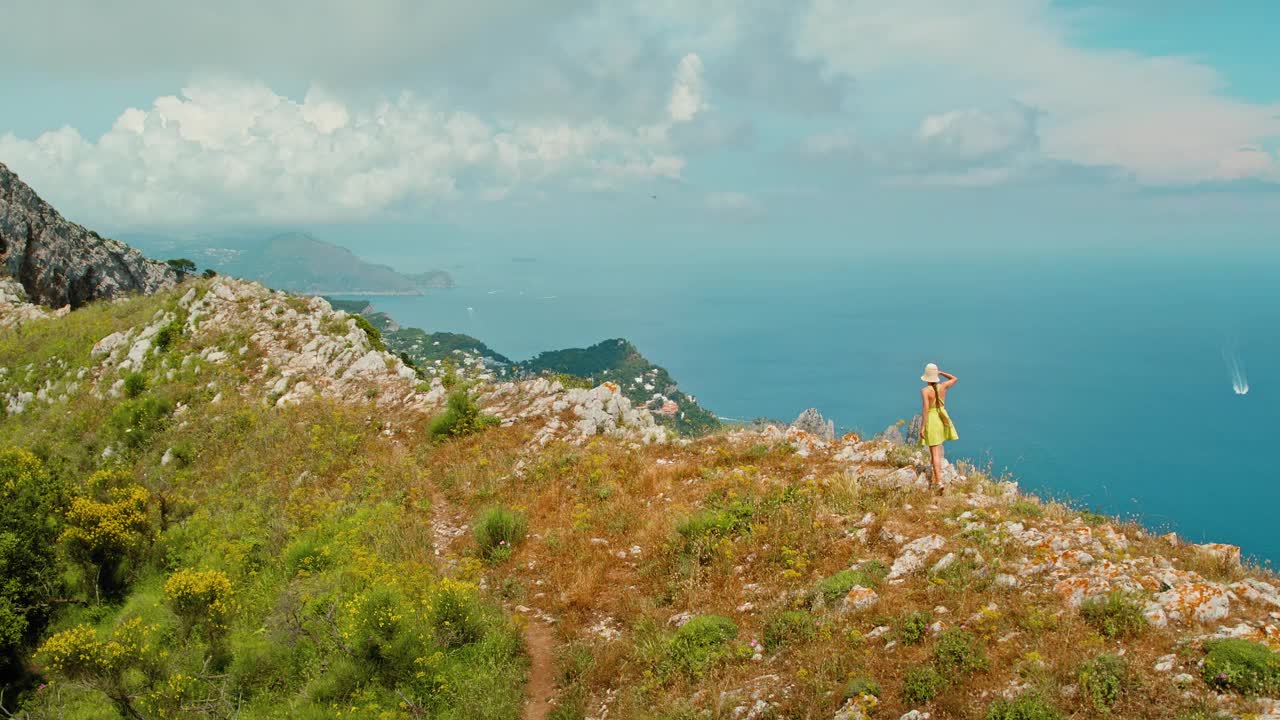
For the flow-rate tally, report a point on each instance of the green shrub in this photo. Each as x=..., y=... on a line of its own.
x=135, y=421
x=498, y=531
x=309, y=553
x=874, y=569
x=168, y=335
x=1093, y=518
x=1025, y=509
x=1115, y=615
x=340, y=680
x=922, y=684
x=1027, y=706
x=787, y=628
x=717, y=522
x=901, y=456
x=32, y=502
x=184, y=453
x=699, y=532
x=834, y=587
x=860, y=686
x=135, y=383
x=1102, y=680
x=260, y=665
x=461, y=417
x=1241, y=666
x=700, y=643
x=959, y=652
x=375, y=336
x=913, y=627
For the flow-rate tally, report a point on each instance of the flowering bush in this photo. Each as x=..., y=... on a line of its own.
x=75, y=653
x=79, y=654
x=201, y=599
x=454, y=615
x=98, y=531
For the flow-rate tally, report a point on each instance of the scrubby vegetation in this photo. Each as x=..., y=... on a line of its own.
x=498, y=531
x=790, y=627
x=279, y=567
x=1115, y=615
x=913, y=627
x=1102, y=679
x=922, y=684
x=699, y=644
x=460, y=417
x=1027, y=706
x=1242, y=666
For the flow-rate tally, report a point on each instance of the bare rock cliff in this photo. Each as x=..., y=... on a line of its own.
x=61, y=263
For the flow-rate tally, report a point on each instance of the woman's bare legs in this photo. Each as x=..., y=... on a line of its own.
x=936, y=452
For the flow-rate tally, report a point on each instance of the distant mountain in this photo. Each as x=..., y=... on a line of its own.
x=61, y=263
x=296, y=262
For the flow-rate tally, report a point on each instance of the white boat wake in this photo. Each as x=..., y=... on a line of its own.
x=1239, y=381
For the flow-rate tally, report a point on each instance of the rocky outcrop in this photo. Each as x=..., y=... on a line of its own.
x=61, y=263
x=14, y=308
x=812, y=422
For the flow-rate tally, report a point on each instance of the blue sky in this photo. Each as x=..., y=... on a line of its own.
x=995, y=123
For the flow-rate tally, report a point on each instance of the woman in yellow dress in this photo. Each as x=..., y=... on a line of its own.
x=936, y=426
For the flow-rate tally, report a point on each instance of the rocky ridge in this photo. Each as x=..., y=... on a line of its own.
x=297, y=348
x=61, y=263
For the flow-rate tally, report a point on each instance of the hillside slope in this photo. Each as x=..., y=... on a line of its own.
x=246, y=508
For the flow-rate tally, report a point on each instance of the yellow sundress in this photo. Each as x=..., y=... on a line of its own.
x=937, y=426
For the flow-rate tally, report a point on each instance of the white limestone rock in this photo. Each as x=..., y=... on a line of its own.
x=914, y=554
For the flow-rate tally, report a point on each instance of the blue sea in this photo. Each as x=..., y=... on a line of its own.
x=1102, y=381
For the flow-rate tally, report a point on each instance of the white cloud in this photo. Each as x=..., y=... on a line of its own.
x=687, y=94
x=735, y=204
x=972, y=135
x=1165, y=120
x=968, y=147
x=534, y=97
x=234, y=151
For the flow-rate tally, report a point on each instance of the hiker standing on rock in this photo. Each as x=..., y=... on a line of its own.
x=935, y=426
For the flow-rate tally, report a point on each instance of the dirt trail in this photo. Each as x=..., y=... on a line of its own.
x=541, y=686
x=540, y=642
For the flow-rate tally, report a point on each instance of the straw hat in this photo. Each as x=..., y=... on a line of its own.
x=930, y=373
